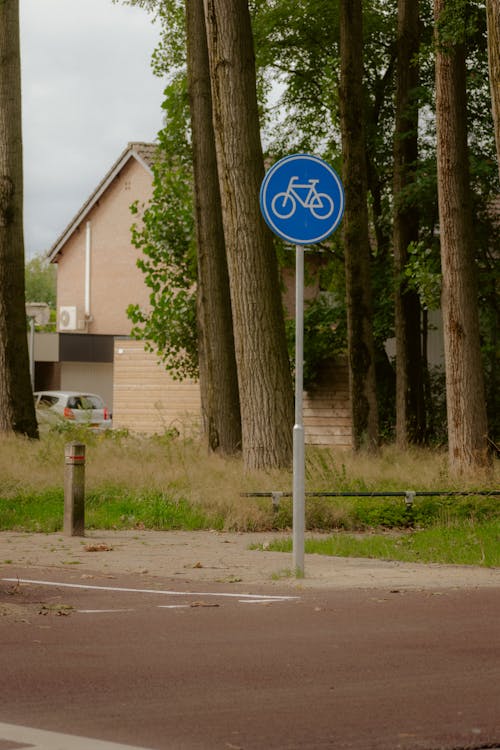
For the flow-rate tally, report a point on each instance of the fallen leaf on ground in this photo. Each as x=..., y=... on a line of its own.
x=61, y=610
x=97, y=548
x=204, y=604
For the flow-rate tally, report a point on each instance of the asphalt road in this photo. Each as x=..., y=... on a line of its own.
x=166, y=668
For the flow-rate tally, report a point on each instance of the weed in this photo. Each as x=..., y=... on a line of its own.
x=281, y=574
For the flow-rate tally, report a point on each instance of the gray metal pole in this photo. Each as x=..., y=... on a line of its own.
x=74, y=489
x=298, y=429
x=32, y=352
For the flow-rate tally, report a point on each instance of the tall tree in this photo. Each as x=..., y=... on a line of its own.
x=410, y=414
x=17, y=412
x=355, y=229
x=218, y=377
x=493, y=19
x=264, y=378
x=188, y=159
x=465, y=396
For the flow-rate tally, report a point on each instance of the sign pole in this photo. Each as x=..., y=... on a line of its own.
x=302, y=201
x=298, y=429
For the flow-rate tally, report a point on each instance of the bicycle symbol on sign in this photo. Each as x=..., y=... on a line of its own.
x=284, y=204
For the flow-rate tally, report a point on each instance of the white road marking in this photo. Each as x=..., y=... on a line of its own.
x=39, y=739
x=93, y=611
x=241, y=597
x=174, y=606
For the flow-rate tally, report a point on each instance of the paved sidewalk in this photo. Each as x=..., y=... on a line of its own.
x=222, y=557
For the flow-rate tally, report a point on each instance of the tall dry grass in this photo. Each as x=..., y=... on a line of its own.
x=182, y=469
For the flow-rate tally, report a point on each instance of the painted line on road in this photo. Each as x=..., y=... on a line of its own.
x=40, y=739
x=93, y=611
x=221, y=594
x=174, y=606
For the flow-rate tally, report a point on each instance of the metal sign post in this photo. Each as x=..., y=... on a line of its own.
x=302, y=201
x=298, y=428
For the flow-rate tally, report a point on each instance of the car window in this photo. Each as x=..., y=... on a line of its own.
x=47, y=400
x=91, y=402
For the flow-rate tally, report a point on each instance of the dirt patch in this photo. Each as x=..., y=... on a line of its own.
x=25, y=603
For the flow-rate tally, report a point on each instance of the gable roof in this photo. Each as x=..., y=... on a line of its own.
x=144, y=153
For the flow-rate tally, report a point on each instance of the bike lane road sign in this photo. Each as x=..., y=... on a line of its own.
x=302, y=199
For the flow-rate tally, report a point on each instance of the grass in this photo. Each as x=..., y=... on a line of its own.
x=151, y=510
x=163, y=482
x=110, y=509
x=461, y=543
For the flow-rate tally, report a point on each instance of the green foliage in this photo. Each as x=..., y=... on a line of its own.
x=165, y=236
x=325, y=335
x=296, y=43
x=166, y=241
x=40, y=280
x=460, y=21
x=325, y=316
x=390, y=513
x=170, y=55
x=437, y=425
x=423, y=274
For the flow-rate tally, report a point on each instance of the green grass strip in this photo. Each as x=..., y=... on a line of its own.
x=465, y=543
x=112, y=509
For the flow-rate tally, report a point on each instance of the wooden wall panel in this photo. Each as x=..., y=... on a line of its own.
x=148, y=400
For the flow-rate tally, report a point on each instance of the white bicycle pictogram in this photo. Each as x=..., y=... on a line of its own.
x=284, y=204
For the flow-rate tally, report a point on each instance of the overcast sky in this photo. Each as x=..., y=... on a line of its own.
x=88, y=90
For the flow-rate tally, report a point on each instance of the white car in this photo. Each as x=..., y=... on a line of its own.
x=80, y=408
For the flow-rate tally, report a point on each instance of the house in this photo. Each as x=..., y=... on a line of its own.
x=97, y=279
x=97, y=275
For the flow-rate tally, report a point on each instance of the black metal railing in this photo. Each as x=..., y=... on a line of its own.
x=408, y=495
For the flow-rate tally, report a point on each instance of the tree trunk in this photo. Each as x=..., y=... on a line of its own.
x=466, y=408
x=493, y=18
x=264, y=378
x=410, y=415
x=355, y=227
x=218, y=376
x=17, y=411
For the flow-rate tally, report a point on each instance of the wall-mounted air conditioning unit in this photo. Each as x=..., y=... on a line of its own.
x=70, y=318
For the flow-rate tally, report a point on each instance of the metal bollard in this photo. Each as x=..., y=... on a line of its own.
x=276, y=496
x=74, y=489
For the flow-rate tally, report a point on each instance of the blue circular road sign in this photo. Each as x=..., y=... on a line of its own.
x=302, y=199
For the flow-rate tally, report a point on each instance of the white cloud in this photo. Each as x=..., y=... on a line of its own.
x=88, y=90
